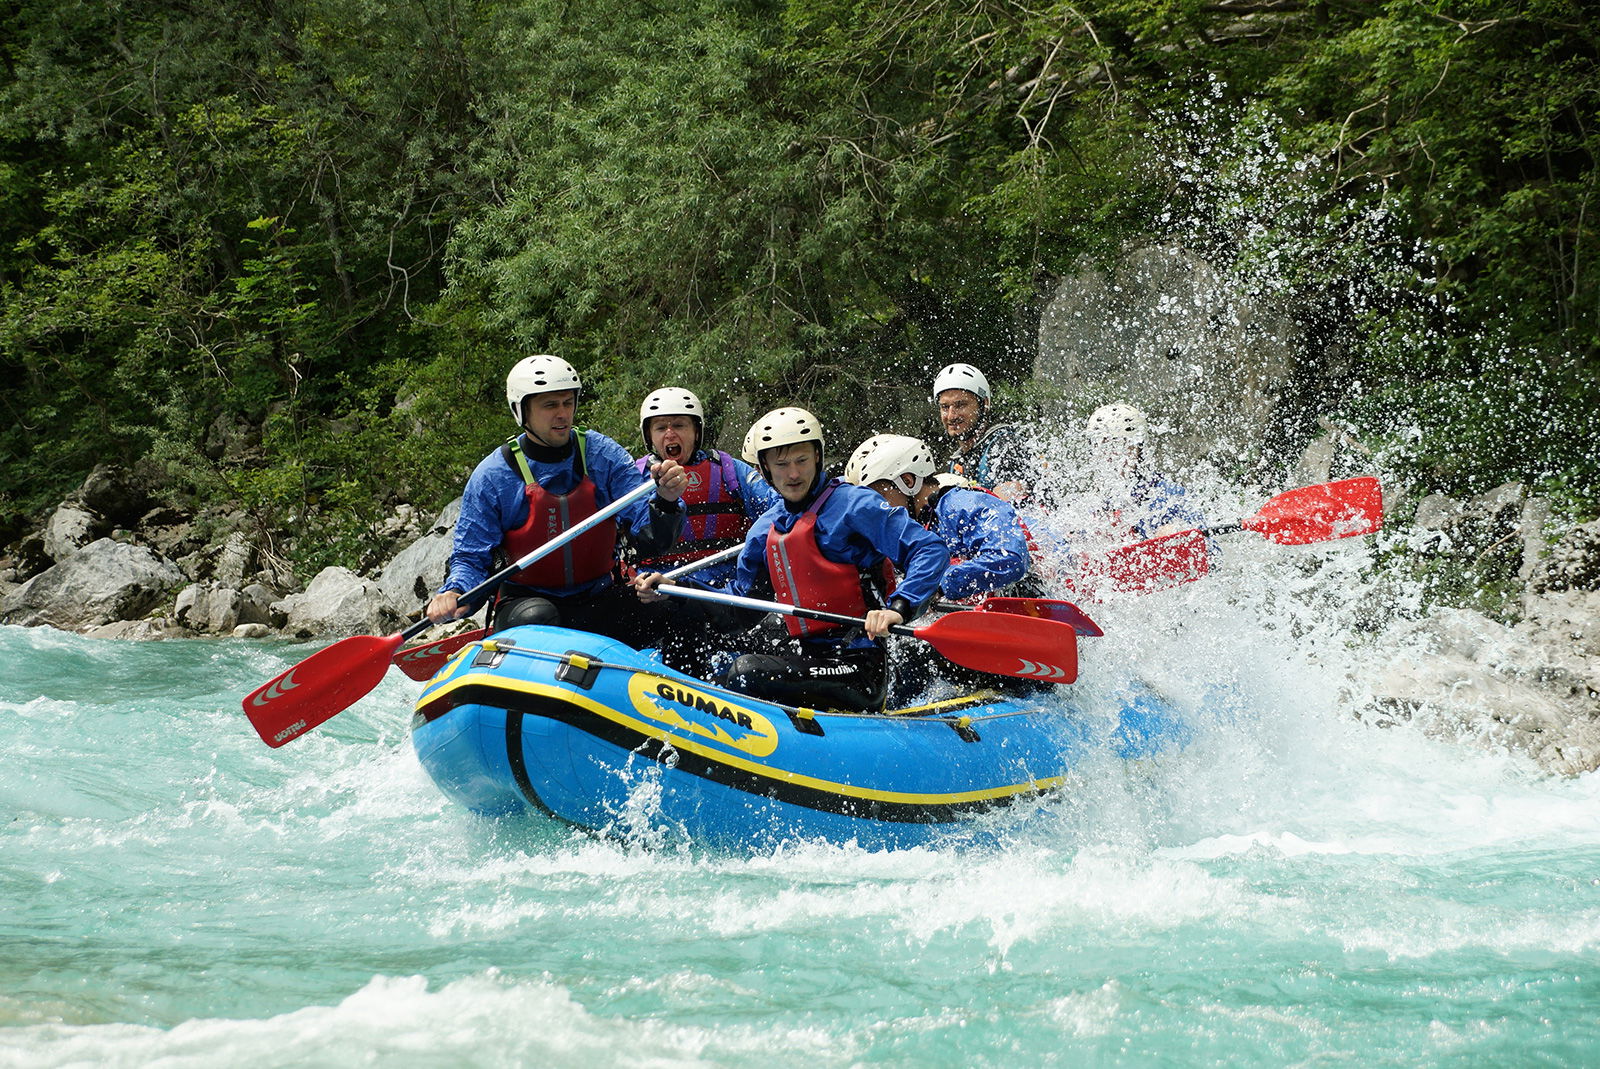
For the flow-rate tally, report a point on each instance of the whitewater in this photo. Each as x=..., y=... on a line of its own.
x=1310, y=880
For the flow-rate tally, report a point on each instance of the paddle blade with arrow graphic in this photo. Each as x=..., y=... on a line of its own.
x=1021, y=646
x=423, y=661
x=319, y=687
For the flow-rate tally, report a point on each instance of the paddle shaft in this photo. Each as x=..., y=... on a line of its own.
x=1002, y=643
x=490, y=584
x=422, y=661
x=705, y=562
x=695, y=593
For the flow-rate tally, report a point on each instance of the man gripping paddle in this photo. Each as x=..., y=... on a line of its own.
x=541, y=482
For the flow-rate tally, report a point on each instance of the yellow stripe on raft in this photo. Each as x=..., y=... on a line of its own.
x=692, y=746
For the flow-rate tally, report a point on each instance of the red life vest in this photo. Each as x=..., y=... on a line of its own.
x=584, y=559
x=803, y=577
x=716, y=516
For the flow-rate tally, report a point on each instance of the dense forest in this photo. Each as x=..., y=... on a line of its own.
x=283, y=251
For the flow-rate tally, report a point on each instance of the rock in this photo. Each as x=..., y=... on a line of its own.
x=1573, y=563
x=1490, y=544
x=28, y=557
x=252, y=631
x=1437, y=512
x=338, y=602
x=139, y=630
x=417, y=571
x=1335, y=453
x=170, y=535
x=209, y=608
x=236, y=561
x=103, y=582
x=113, y=492
x=1564, y=618
x=70, y=528
x=1533, y=688
x=1499, y=502
x=232, y=439
x=255, y=606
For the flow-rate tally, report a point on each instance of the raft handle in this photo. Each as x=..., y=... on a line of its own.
x=963, y=727
x=577, y=669
x=804, y=720
x=492, y=652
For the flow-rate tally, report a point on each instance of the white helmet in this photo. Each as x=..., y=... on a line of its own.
x=781, y=426
x=961, y=377
x=538, y=374
x=894, y=457
x=671, y=401
x=1116, y=421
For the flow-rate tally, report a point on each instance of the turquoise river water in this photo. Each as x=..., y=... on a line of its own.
x=1295, y=887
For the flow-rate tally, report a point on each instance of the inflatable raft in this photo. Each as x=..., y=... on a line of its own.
x=585, y=727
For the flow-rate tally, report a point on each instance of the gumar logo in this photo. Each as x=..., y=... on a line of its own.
x=694, y=480
x=684, y=709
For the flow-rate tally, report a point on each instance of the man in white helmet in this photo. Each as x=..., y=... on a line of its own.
x=724, y=494
x=1131, y=501
x=986, y=540
x=824, y=546
x=540, y=483
x=991, y=455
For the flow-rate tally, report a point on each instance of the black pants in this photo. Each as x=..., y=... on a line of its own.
x=615, y=612
x=824, y=675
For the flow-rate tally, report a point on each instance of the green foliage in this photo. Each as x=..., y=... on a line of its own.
x=290, y=249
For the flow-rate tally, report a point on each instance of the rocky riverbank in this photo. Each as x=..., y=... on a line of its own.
x=105, y=565
x=108, y=565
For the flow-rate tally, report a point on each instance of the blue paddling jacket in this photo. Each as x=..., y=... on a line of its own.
x=987, y=545
x=495, y=501
x=854, y=526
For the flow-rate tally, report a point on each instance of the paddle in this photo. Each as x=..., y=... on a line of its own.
x=1318, y=513
x=422, y=662
x=1044, y=608
x=1002, y=643
x=332, y=679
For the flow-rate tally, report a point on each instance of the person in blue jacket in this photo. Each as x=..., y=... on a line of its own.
x=542, y=482
x=724, y=494
x=1131, y=501
x=992, y=456
x=987, y=542
x=826, y=545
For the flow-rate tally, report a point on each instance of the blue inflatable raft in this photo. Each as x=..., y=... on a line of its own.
x=574, y=724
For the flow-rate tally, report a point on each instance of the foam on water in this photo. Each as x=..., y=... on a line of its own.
x=1285, y=888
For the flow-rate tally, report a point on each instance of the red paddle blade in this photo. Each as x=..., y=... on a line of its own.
x=1063, y=612
x=423, y=662
x=1158, y=564
x=1321, y=513
x=319, y=687
x=1044, y=650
